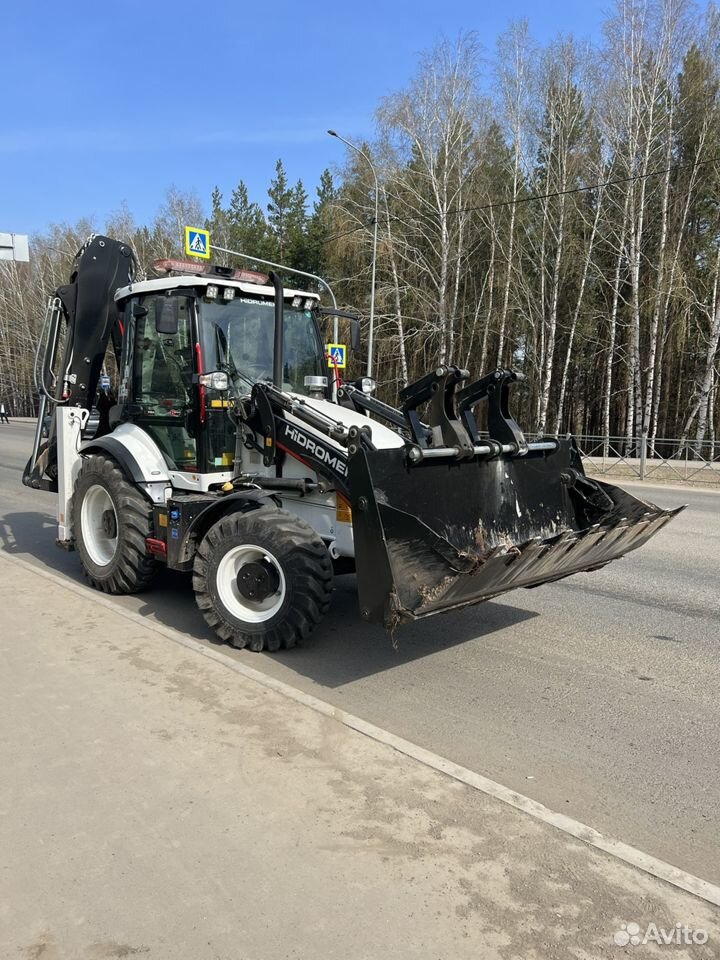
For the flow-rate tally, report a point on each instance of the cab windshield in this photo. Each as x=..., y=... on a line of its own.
x=238, y=338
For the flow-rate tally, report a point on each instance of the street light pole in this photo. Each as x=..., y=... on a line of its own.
x=375, y=238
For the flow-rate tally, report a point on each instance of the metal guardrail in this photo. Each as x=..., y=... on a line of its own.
x=663, y=459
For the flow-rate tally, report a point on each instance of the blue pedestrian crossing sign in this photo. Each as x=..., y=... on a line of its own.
x=336, y=354
x=197, y=243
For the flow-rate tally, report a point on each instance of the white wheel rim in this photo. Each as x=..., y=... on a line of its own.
x=100, y=545
x=251, y=611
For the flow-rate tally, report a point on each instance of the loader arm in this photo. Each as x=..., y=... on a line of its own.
x=279, y=422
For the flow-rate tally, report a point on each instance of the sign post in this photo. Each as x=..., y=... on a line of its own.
x=14, y=246
x=336, y=356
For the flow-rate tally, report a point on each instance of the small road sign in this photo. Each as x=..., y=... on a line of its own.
x=336, y=354
x=197, y=243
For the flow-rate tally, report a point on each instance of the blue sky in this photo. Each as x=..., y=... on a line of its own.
x=111, y=103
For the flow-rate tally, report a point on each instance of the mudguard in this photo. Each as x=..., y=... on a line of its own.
x=138, y=455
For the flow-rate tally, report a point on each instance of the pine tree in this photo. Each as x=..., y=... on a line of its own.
x=296, y=222
x=218, y=225
x=247, y=227
x=319, y=225
x=278, y=209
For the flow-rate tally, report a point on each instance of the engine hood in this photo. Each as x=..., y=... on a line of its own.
x=383, y=437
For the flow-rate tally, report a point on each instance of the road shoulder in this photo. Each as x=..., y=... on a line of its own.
x=164, y=805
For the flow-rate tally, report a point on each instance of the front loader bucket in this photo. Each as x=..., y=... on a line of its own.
x=440, y=534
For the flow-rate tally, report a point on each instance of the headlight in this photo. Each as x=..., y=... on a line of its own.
x=215, y=381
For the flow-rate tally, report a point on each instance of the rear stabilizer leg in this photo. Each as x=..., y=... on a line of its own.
x=70, y=423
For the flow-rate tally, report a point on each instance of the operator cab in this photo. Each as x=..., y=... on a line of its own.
x=176, y=329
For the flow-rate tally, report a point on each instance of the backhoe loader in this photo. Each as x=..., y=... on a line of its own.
x=228, y=454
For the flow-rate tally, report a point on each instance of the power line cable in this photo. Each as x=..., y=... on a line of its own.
x=561, y=193
x=346, y=233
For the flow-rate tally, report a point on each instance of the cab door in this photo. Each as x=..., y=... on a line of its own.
x=162, y=395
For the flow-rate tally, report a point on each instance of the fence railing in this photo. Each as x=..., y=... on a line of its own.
x=661, y=458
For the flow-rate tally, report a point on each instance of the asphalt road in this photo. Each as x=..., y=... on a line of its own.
x=597, y=696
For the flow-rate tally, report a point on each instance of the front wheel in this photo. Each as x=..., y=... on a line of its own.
x=262, y=579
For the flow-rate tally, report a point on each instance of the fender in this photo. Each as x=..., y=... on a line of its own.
x=139, y=457
x=197, y=520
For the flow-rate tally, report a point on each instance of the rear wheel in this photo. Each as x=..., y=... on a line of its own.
x=262, y=579
x=111, y=520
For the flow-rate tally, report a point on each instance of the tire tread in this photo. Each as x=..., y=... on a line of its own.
x=135, y=569
x=312, y=576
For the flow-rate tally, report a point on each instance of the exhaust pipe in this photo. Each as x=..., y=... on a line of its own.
x=278, y=333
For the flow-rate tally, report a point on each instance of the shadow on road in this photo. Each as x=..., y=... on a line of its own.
x=32, y=534
x=345, y=648
x=342, y=649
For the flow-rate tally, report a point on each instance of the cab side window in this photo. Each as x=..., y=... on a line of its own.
x=162, y=376
x=163, y=361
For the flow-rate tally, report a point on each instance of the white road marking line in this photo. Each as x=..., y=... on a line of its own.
x=616, y=848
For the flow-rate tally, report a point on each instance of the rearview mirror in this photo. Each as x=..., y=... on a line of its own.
x=354, y=324
x=166, y=318
x=354, y=335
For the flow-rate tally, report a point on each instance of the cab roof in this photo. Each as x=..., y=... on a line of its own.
x=255, y=290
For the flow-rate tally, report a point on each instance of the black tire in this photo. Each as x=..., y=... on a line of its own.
x=300, y=560
x=129, y=569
